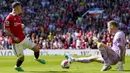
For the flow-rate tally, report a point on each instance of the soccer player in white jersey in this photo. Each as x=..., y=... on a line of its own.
x=109, y=55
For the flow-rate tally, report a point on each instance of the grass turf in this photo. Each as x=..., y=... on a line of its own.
x=53, y=66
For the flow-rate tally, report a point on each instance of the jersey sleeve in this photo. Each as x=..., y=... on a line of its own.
x=121, y=45
x=119, y=39
x=7, y=22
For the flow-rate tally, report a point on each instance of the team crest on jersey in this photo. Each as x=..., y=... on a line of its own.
x=7, y=23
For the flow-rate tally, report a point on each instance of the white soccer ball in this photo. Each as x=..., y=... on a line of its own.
x=65, y=64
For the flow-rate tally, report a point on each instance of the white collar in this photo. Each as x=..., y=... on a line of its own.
x=12, y=13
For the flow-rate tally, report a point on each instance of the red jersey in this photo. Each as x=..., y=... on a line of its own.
x=14, y=25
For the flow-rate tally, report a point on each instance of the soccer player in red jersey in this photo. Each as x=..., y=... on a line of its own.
x=13, y=27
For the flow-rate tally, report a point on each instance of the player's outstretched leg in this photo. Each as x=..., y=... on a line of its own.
x=68, y=57
x=36, y=55
x=18, y=64
x=36, y=48
x=71, y=59
x=96, y=58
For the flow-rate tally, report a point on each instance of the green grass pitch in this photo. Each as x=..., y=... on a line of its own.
x=53, y=66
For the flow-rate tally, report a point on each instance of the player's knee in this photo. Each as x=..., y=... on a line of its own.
x=99, y=45
x=114, y=62
x=21, y=58
x=36, y=48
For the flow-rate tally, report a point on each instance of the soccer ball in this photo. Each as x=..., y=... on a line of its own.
x=65, y=64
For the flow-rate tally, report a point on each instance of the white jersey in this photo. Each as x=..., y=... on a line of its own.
x=119, y=39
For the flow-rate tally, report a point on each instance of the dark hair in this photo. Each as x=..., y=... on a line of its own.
x=14, y=4
x=113, y=23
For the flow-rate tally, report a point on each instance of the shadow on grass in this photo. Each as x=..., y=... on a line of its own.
x=51, y=72
x=122, y=71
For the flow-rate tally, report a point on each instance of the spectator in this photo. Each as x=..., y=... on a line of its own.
x=63, y=19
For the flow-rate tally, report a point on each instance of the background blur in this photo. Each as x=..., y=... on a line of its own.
x=68, y=24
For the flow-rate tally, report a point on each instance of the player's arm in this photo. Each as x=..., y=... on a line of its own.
x=23, y=26
x=6, y=30
x=122, y=50
x=8, y=33
x=7, y=27
x=122, y=55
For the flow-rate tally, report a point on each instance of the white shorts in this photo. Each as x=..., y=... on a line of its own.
x=18, y=48
x=112, y=56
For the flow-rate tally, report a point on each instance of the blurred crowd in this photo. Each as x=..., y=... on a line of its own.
x=59, y=24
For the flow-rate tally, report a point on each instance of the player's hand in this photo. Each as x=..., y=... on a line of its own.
x=16, y=39
x=120, y=66
x=23, y=26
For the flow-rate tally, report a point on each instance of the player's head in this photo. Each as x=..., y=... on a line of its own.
x=17, y=7
x=112, y=26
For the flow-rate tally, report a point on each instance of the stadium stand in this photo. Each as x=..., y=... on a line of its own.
x=68, y=24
